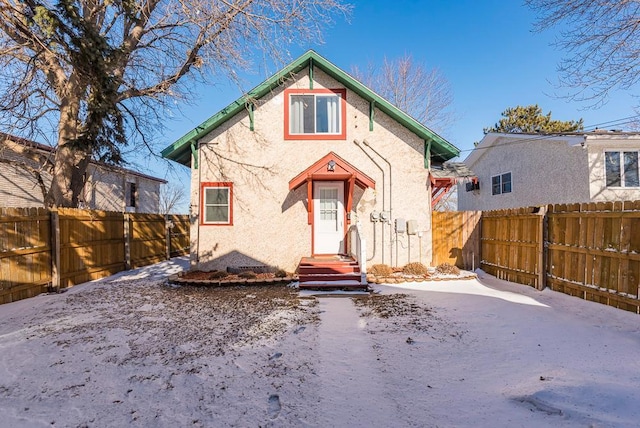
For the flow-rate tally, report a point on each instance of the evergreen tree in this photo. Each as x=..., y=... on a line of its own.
x=530, y=119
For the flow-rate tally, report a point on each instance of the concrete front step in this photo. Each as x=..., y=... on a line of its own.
x=304, y=277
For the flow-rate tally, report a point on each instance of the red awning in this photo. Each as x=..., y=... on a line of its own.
x=332, y=168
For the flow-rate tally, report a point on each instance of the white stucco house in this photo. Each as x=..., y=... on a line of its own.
x=107, y=187
x=520, y=170
x=291, y=169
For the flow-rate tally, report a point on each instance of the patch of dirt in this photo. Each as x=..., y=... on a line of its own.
x=402, y=313
x=181, y=323
x=214, y=276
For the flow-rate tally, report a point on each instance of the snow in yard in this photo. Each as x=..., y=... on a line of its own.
x=131, y=350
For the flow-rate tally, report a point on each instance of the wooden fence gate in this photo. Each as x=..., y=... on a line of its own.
x=455, y=238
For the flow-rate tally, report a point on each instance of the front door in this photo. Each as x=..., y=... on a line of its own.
x=328, y=217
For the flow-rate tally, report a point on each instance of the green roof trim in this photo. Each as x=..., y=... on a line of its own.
x=180, y=150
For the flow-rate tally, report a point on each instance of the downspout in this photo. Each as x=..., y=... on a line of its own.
x=366, y=143
x=427, y=165
x=197, y=156
x=357, y=143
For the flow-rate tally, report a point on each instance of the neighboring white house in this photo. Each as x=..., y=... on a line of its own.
x=520, y=170
x=288, y=170
x=107, y=188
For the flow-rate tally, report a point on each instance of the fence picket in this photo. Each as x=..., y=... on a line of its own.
x=42, y=249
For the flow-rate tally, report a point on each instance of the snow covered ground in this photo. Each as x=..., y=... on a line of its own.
x=131, y=350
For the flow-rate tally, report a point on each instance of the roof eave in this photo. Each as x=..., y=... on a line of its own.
x=448, y=150
x=180, y=151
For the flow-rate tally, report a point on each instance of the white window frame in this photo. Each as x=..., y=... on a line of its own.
x=333, y=114
x=622, y=172
x=502, y=183
x=336, y=114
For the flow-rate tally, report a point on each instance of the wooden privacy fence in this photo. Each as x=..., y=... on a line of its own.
x=25, y=252
x=456, y=238
x=42, y=249
x=589, y=250
x=594, y=252
x=512, y=245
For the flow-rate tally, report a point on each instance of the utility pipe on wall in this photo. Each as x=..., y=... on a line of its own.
x=357, y=143
x=366, y=143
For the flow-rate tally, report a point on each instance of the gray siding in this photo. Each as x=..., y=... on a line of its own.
x=543, y=171
x=104, y=190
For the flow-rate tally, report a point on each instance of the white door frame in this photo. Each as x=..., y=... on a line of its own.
x=329, y=233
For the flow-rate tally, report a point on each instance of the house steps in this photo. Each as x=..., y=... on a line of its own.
x=330, y=273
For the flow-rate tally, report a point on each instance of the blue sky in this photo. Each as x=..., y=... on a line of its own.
x=486, y=49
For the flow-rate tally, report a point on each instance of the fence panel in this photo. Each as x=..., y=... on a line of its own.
x=594, y=252
x=92, y=245
x=512, y=245
x=148, y=240
x=25, y=253
x=40, y=248
x=179, y=234
x=456, y=238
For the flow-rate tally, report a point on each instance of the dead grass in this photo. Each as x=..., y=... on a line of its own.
x=447, y=269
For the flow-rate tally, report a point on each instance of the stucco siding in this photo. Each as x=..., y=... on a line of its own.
x=598, y=189
x=270, y=223
x=543, y=171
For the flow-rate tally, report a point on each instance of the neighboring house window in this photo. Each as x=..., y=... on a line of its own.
x=315, y=114
x=621, y=169
x=217, y=203
x=501, y=184
x=131, y=195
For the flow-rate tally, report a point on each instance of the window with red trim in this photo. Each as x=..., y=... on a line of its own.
x=315, y=114
x=216, y=203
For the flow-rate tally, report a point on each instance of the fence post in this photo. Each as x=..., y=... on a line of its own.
x=55, y=250
x=167, y=233
x=542, y=249
x=127, y=241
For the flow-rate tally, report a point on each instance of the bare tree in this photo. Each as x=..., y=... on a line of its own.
x=602, y=40
x=171, y=197
x=449, y=201
x=100, y=73
x=423, y=93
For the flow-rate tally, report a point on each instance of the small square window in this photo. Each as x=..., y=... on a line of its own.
x=501, y=184
x=217, y=203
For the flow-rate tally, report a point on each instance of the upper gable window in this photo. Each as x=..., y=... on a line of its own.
x=318, y=114
x=621, y=169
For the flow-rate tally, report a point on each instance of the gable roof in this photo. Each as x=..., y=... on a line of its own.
x=491, y=138
x=180, y=150
x=45, y=149
x=340, y=169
